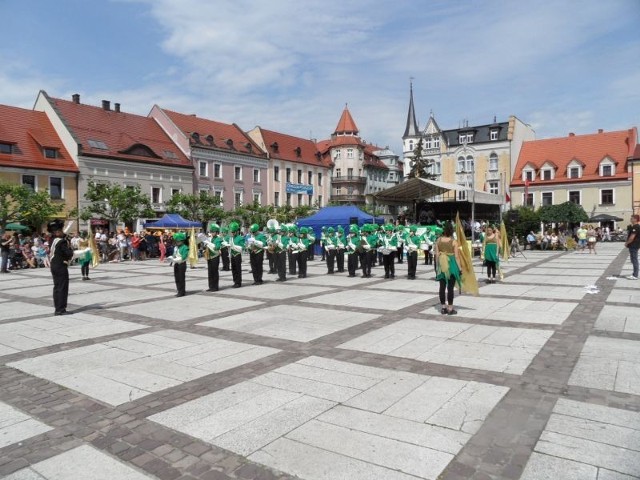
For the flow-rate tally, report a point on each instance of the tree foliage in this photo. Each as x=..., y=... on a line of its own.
x=116, y=203
x=19, y=203
x=420, y=166
x=567, y=212
x=521, y=220
x=198, y=207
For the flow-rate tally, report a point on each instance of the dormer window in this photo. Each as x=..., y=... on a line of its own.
x=528, y=174
x=274, y=147
x=298, y=151
x=6, y=148
x=229, y=143
x=546, y=174
x=607, y=167
x=195, y=136
x=50, y=152
x=575, y=169
x=465, y=138
x=493, y=135
x=574, y=172
x=209, y=139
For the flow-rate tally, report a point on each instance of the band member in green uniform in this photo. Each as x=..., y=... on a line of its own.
x=400, y=234
x=341, y=241
x=373, y=239
x=323, y=237
x=224, y=253
x=179, y=260
x=255, y=244
x=213, y=247
x=353, y=242
x=304, y=244
x=412, y=243
x=330, y=247
x=292, y=251
x=312, y=243
x=236, y=244
x=281, y=241
x=389, y=249
x=271, y=256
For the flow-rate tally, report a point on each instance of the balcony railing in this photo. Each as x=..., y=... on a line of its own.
x=349, y=179
x=347, y=198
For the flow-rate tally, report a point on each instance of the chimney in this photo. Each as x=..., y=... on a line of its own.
x=106, y=105
x=571, y=134
x=116, y=107
x=75, y=98
x=600, y=130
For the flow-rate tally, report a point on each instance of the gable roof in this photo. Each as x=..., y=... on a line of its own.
x=588, y=149
x=214, y=135
x=30, y=132
x=281, y=146
x=118, y=135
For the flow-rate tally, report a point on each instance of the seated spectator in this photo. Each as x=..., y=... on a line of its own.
x=532, y=240
x=554, y=241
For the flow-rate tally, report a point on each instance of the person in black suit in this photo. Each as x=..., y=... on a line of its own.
x=60, y=256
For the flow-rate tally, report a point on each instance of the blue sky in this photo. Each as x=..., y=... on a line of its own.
x=292, y=65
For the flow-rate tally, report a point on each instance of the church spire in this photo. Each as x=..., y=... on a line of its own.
x=412, y=124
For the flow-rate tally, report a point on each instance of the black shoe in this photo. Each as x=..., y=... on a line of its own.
x=351, y=275
x=212, y=289
x=452, y=312
x=281, y=279
x=84, y=278
x=236, y=285
x=87, y=278
x=180, y=294
x=386, y=276
x=443, y=310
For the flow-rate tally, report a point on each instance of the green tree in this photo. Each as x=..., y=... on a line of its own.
x=116, y=203
x=198, y=207
x=521, y=220
x=567, y=212
x=19, y=203
x=420, y=166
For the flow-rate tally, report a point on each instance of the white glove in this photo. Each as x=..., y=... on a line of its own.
x=237, y=248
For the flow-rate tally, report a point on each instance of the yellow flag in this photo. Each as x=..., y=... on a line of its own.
x=504, y=242
x=193, y=248
x=469, y=281
x=95, y=254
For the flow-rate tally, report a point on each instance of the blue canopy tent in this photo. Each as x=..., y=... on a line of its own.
x=337, y=216
x=172, y=221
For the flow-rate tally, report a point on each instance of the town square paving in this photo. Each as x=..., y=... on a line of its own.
x=326, y=377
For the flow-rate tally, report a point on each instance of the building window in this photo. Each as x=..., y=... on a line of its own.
x=493, y=162
x=6, y=148
x=175, y=191
x=460, y=164
x=29, y=181
x=55, y=187
x=202, y=168
x=218, y=194
x=466, y=137
x=470, y=164
x=574, y=172
x=338, y=172
x=276, y=199
x=338, y=190
x=607, y=170
x=217, y=170
x=574, y=196
x=320, y=200
x=547, y=198
x=493, y=135
x=437, y=167
x=349, y=152
x=606, y=197
x=310, y=178
x=310, y=200
x=299, y=199
x=411, y=145
x=237, y=198
x=288, y=175
x=350, y=190
x=256, y=197
x=528, y=199
x=299, y=176
x=50, y=153
x=494, y=188
x=319, y=179
x=349, y=173
x=256, y=175
x=436, y=142
x=546, y=174
x=156, y=195
x=337, y=154
x=462, y=194
x=288, y=199
x=237, y=173
x=276, y=174
x=528, y=175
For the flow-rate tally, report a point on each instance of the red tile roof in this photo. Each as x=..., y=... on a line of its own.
x=126, y=136
x=589, y=150
x=30, y=131
x=346, y=123
x=287, y=149
x=215, y=135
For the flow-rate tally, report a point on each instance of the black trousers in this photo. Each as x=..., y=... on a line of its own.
x=331, y=259
x=352, y=263
x=213, y=274
x=302, y=263
x=365, y=261
x=84, y=269
x=180, y=276
x=271, y=258
x=323, y=252
x=293, y=262
x=450, y=285
x=389, y=267
x=491, y=269
x=412, y=263
x=256, y=260
x=224, y=253
x=400, y=253
x=428, y=257
x=340, y=259
x=310, y=251
x=236, y=269
x=60, y=276
x=281, y=265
